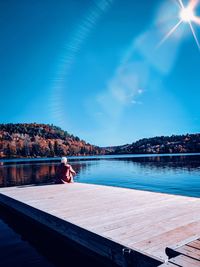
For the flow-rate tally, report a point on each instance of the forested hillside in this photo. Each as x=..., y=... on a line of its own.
x=41, y=140
x=189, y=143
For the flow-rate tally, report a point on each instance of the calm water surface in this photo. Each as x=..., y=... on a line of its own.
x=168, y=174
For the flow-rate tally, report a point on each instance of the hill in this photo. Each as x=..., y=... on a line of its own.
x=189, y=143
x=41, y=140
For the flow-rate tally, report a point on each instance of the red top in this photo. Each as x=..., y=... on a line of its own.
x=63, y=173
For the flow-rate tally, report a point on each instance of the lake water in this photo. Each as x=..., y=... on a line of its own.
x=24, y=244
x=177, y=174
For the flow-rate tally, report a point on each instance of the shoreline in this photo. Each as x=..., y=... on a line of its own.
x=38, y=159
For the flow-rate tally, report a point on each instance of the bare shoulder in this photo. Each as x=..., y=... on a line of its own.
x=68, y=165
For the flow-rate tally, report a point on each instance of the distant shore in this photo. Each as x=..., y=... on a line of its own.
x=39, y=159
x=42, y=140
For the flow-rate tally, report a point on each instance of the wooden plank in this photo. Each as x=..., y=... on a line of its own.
x=189, y=251
x=194, y=244
x=190, y=254
x=98, y=244
x=185, y=261
x=143, y=221
x=183, y=242
x=148, y=210
x=161, y=226
x=157, y=244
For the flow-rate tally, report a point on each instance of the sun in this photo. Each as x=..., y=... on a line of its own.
x=186, y=15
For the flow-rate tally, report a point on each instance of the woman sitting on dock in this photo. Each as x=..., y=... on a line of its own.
x=64, y=172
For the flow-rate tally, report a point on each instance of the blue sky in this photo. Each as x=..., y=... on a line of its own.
x=99, y=69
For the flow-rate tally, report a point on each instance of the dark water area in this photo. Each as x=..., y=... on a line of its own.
x=24, y=244
x=173, y=174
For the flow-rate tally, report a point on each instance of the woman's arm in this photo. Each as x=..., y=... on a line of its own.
x=72, y=170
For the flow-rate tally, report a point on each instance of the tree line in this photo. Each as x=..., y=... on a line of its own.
x=44, y=140
x=189, y=143
x=41, y=140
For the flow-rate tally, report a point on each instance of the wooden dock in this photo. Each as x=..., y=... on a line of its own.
x=187, y=255
x=129, y=227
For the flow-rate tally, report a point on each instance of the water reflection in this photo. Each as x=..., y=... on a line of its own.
x=175, y=175
x=170, y=174
x=189, y=163
x=35, y=173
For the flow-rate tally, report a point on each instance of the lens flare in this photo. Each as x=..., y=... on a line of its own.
x=186, y=15
x=71, y=50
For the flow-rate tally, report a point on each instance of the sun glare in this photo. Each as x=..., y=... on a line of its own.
x=187, y=14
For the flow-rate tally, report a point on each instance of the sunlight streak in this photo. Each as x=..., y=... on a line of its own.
x=169, y=33
x=181, y=4
x=196, y=20
x=187, y=15
x=194, y=34
x=193, y=4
